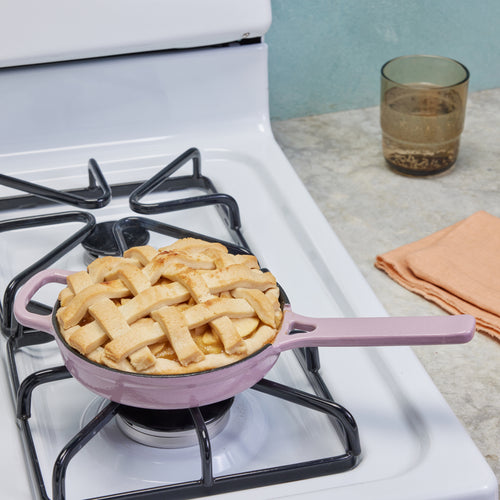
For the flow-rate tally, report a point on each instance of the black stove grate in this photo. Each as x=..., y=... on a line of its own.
x=9, y=325
x=96, y=195
x=227, y=206
x=208, y=484
x=18, y=337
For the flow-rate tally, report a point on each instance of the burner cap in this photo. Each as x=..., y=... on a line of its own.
x=101, y=242
x=171, y=428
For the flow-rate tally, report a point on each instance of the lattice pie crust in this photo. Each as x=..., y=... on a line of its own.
x=184, y=308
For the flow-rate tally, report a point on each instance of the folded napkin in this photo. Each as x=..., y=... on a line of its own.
x=457, y=268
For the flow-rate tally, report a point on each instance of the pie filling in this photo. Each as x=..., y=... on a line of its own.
x=187, y=307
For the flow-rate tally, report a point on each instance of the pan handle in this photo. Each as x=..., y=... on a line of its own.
x=380, y=331
x=27, y=318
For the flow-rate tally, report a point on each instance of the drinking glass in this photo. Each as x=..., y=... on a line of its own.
x=422, y=112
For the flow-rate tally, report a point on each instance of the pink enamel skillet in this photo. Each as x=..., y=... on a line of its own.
x=202, y=388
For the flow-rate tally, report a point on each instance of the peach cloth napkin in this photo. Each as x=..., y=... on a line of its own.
x=457, y=268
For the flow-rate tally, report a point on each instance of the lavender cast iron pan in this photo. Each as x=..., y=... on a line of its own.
x=202, y=388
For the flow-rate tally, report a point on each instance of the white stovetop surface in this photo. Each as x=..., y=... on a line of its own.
x=413, y=446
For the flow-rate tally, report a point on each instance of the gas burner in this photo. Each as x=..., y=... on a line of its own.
x=171, y=428
x=101, y=241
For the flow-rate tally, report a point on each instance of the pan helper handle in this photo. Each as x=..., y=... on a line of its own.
x=379, y=331
x=27, y=318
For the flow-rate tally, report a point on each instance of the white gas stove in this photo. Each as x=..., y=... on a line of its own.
x=382, y=430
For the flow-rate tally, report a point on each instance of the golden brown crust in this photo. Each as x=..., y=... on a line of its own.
x=188, y=307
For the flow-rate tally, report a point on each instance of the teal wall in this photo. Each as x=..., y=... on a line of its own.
x=325, y=55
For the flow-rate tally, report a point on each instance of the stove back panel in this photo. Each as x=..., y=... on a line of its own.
x=165, y=95
x=53, y=30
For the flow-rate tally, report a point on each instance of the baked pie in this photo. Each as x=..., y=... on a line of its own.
x=187, y=307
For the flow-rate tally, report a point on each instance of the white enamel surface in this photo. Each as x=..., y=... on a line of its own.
x=35, y=32
x=413, y=446
x=51, y=108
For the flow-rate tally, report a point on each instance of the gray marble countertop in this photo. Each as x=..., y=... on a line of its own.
x=372, y=210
